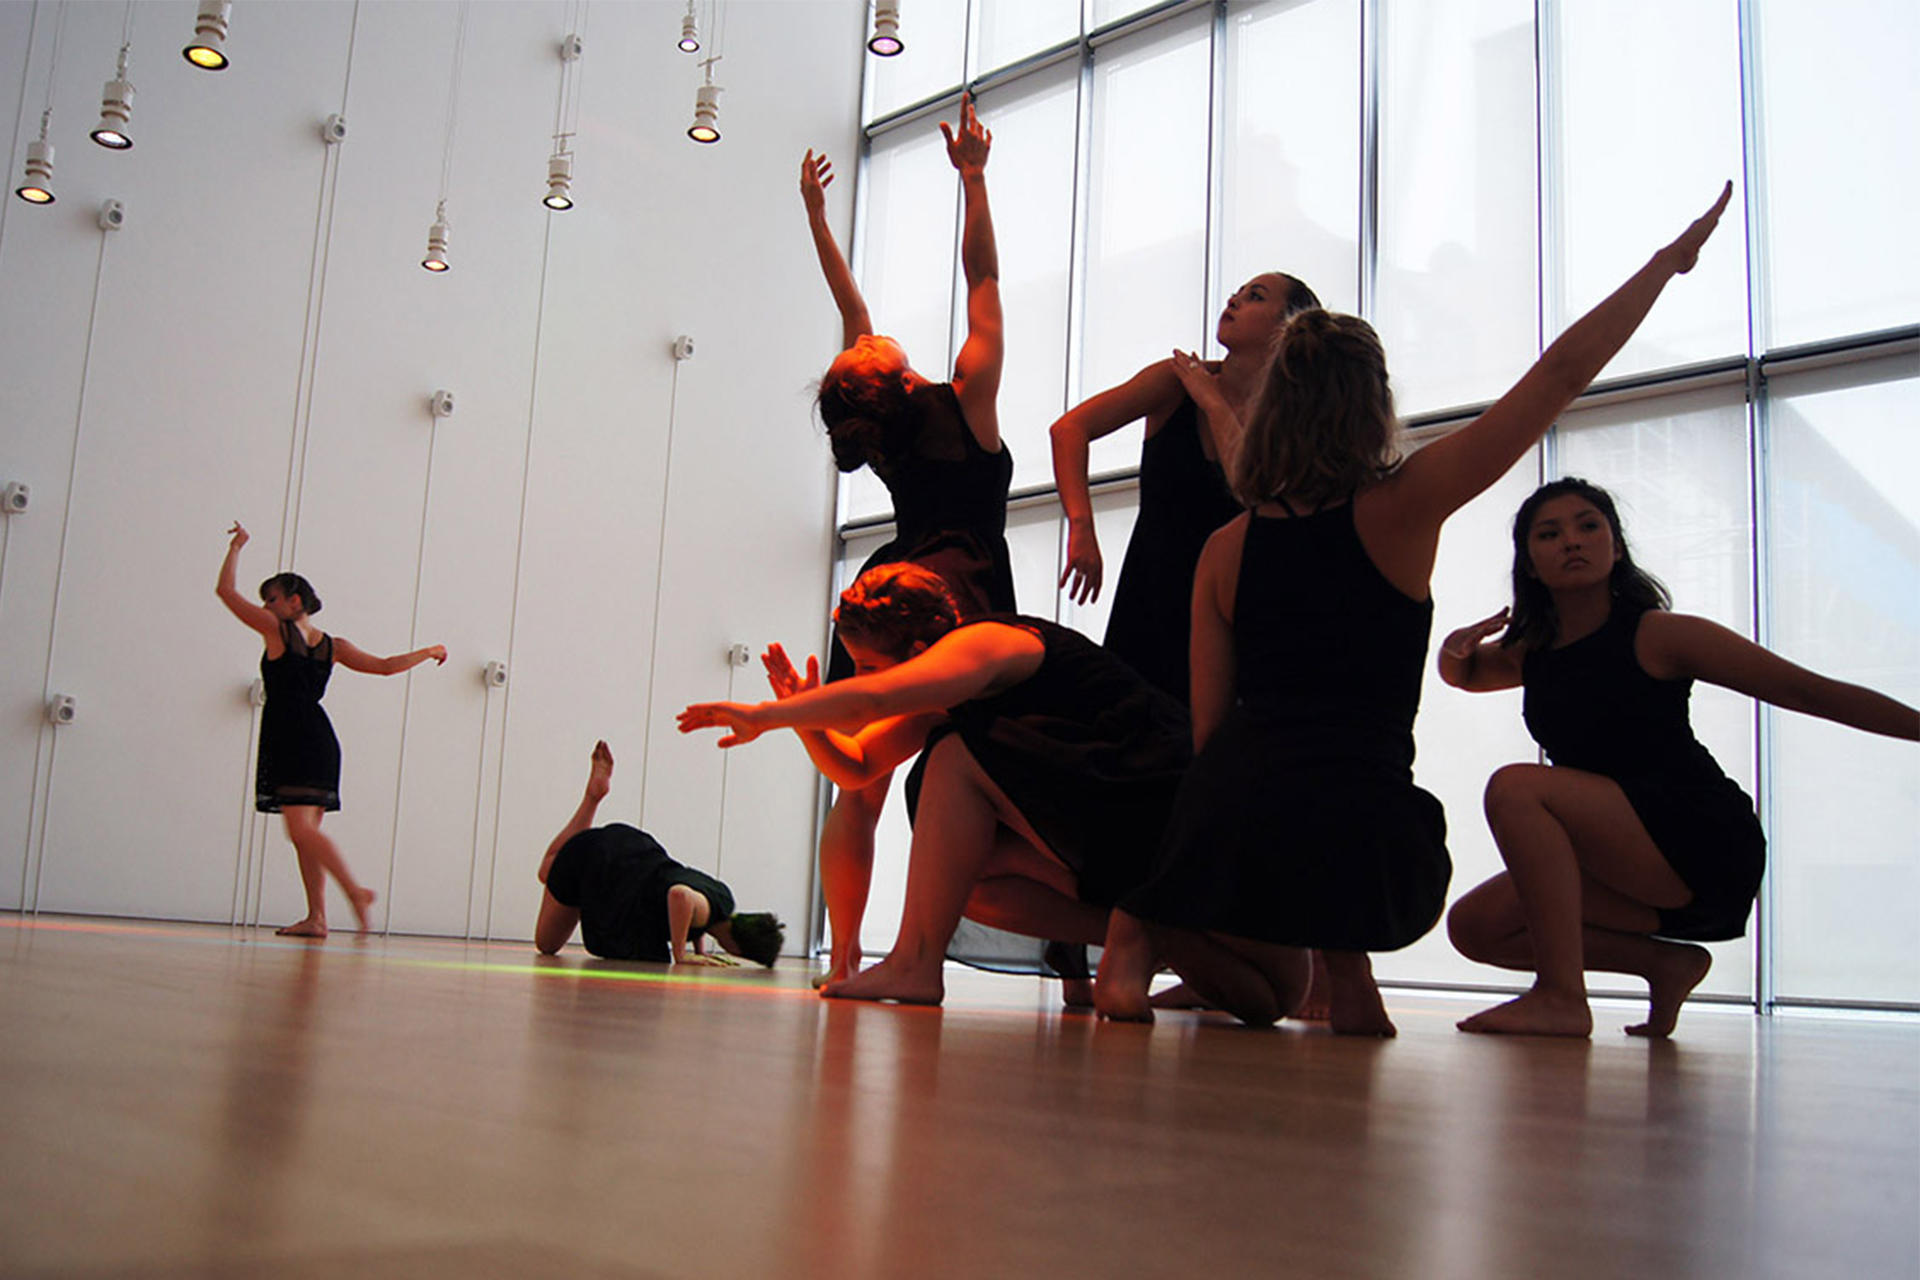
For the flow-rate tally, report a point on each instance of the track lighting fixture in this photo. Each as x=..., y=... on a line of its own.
x=885, y=40
x=559, y=181
x=706, y=111
x=436, y=259
x=116, y=109
x=208, y=49
x=689, y=32
x=37, y=186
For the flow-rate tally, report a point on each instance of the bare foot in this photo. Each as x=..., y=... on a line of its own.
x=600, y=772
x=1318, y=1006
x=1354, y=1004
x=841, y=965
x=1537, y=1013
x=361, y=900
x=1682, y=966
x=1178, y=996
x=308, y=928
x=890, y=981
x=1076, y=993
x=1126, y=972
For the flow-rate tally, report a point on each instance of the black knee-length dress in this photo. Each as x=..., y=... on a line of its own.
x=299, y=761
x=1299, y=823
x=617, y=877
x=1183, y=500
x=1591, y=706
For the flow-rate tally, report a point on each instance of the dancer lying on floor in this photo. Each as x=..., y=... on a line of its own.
x=632, y=901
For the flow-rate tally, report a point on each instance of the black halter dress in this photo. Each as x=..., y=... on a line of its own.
x=299, y=761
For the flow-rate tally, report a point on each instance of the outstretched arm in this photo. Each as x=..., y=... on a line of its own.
x=1153, y=392
x=237, y=604
x=976, y=371
x=849, y=761
x=962, y=664
x=354, y=658
x=1442, y=477
x=816, y=175
x=1472, y=658
x=1675, y=646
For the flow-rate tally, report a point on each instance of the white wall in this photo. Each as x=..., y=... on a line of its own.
x=258, y=343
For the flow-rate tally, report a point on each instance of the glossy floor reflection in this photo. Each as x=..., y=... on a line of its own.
x=198, y=1101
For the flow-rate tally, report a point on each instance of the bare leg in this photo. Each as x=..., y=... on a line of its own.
x=1257, y=982
x=1560, y=830
x=1025, y=891
x=320, y=857
x=1178, y=996
x=1128, y=962
x=1318, y=1006
x=1355, y=1007
x=599, y=784
x=1488, y=925
x=846, y=871
x=954, y=836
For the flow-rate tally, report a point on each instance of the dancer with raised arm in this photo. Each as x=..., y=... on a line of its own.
x=1632, y=845
x=298, y=772
x=633, y=902
x=1299, y=825
x=1051, y=765
x=1193, y=411
x=937, y=448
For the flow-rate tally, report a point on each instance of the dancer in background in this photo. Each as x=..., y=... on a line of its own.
x=298, y=774
x=936, y=446
x=1632, y=845
x=1299, y=825
x=1050, y=765
x=633, y=902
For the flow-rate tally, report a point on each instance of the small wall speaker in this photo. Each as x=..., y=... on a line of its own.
x=441, y=404
x=113, y=216
x=495, y=675
x=13, y=499
x=61, y=709
x=333, y=129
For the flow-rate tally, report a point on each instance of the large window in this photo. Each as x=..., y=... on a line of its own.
x=1472, y=175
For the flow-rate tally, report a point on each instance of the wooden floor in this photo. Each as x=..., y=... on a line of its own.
x=199, y=1101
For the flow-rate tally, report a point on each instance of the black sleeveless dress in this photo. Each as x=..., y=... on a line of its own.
x=1299, y=822
x=1183, y=499
x=617, y=877
x=1087, y=751
x=299, y=761
x=949, y=511
x=1591, y=706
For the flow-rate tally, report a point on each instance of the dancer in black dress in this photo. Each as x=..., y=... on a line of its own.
x=937, y=447
x=1633, y=844
x=1299, y=825
x=1193, y=411
x=1050, y=765
x=633, y=902
x=298, y=773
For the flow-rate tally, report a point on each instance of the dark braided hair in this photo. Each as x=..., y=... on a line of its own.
x=892, y=607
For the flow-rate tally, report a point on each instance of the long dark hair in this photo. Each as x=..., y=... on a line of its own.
x=1322, y=425
x=892, y=607
x=871, y=420
x=1535, y=623
x=292, y=584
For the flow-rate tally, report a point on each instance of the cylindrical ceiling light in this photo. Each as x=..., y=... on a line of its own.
x=706, y=114
x=208, y=50
x=559, y=181
x=436, y=259
x=116, y=109
x=37, y=187
x=885, y=40
x=689, y=32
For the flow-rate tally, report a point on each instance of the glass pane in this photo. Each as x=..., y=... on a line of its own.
x=1104, y=11
x=1844, y=549
x=1457, y=283
x=1291, y=183
x=1010, y=30
x=906, y=267
x=1840, y=112
x=1649, y=111
x=1147, y=213
x=1677, y=467
x=933, y=34
x=1030, y=177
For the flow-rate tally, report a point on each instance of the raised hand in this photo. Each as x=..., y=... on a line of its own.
x=1082, y=575
x=781, y=676
x=1462, y=643
x=968, y=149
x=1685, y=251
x=816, y=175
x=736, y=716
x=239, y=536
x=1199, y=381
x=438, y=652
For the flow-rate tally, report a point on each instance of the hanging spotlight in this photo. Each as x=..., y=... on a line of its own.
x=885, y=40
x=116, y=109
x=689, y=32
x=38, y=185
x=559, y=181
x=207, y=51
x=436, y=259
x=706, y=114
